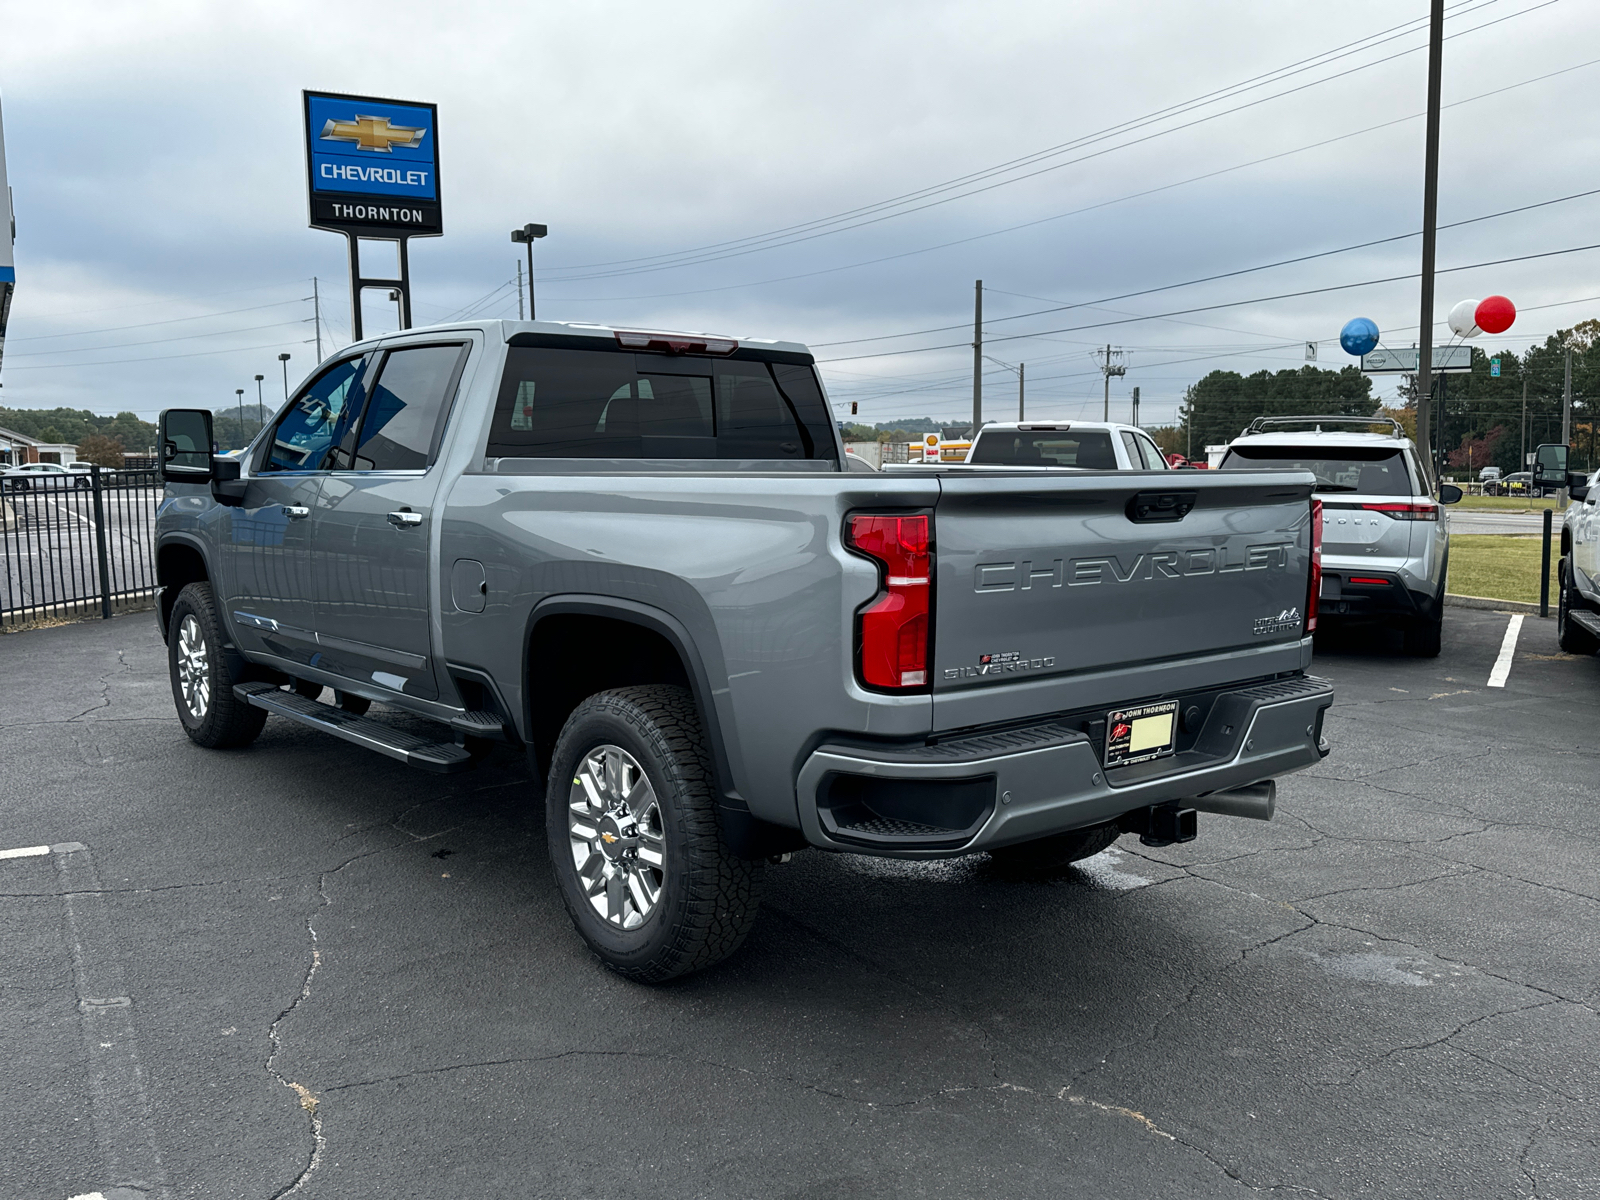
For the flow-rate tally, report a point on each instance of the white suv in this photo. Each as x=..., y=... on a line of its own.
x=1385, y=539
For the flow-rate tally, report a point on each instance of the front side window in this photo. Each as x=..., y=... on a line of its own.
x=311, y=427
x=1369, y=471
x=406, y=413
x=1090, y=450
x=615, y=404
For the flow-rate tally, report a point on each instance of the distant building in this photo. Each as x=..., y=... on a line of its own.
x=18, y=448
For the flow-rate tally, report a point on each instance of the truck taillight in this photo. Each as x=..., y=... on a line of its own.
x=892, y=632
x=1316, y=566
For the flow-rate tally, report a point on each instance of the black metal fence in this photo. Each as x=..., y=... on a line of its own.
x=76, y=544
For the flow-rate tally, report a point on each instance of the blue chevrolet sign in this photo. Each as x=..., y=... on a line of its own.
x=372, y=164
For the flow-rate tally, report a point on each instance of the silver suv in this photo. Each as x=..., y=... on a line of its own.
x=1385, y=539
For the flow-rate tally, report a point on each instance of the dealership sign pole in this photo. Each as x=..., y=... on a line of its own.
x=372, y=174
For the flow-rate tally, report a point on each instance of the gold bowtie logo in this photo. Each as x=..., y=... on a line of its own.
x=373, y=133
x=608, y=838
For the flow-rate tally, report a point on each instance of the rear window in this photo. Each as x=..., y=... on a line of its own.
x=1090, y=450
x=1371, y=471
x=557, y=403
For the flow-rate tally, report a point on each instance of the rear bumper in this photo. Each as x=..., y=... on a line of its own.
x=1355, y=595
x=993, y=789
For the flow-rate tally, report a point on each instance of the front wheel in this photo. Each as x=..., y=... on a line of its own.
x=1570, y=637
x=202, y=683
x=630, y=813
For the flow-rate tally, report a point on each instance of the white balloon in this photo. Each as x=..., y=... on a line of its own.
x=1463, y=319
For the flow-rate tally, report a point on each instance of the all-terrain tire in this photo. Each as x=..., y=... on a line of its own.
x=202, y=677
x=1056, y=851
x=1571, y=637
x=707, y=896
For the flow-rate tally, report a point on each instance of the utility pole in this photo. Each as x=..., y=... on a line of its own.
x=1524, y=460
x=1109, y=366
x=519, y=290
x=316, y=314
x=1022, y=378
x=1566, y=413
x=1430, y=204
x=977, y=357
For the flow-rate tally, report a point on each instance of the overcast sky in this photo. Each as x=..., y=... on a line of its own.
x=157, y=163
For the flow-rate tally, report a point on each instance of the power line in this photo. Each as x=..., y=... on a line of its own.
x=1167, y=287
x=156, y=341
x=870, y=262
x=43, y=337
x=808, y=230
x=159, y=357
x=1338, y=287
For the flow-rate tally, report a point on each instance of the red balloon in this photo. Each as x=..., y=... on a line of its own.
x=1495, y=314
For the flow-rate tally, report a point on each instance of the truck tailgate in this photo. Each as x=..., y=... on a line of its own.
x=1053, y=590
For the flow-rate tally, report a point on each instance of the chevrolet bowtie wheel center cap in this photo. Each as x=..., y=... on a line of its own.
x=618, y=841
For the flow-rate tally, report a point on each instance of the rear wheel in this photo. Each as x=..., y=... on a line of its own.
x=202, y=681
x=1572, y=638
x=1058, y=850
x=631, y=818
x=1424, y=635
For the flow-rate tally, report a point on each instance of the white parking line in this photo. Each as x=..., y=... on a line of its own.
x=25, y=852
x=1502, y=665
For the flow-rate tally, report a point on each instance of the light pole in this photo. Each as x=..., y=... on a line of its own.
x=1021, y=370
x=239, y=392
x=261, y=405
x=530, y=233
x=284, y=359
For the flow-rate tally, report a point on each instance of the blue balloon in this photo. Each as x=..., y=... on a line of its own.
x=1359, y=336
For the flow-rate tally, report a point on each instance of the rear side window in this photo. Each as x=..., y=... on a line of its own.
x=1368, y=470
x=1090, y=450
x=557, y=403
x=406, y=413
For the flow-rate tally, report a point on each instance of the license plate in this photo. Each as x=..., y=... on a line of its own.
x=1136, y=735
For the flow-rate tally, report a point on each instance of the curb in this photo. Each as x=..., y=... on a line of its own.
x=1516, y=606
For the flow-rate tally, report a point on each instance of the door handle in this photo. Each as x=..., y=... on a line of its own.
x=405, y=519
x=296, y=512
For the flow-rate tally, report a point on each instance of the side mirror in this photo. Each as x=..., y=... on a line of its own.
x=1449, y=493
x=185, y=440
x=1550, y=466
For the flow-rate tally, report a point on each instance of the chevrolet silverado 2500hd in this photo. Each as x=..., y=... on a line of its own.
x=638, y=556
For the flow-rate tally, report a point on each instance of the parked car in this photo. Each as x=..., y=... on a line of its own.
x=1079, y=445
x=1489, y=476
x=24, y=477
x=640, y=557
x=1520, y=483
x=1385, y=539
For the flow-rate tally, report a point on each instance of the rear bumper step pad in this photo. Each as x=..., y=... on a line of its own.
x=439, y=757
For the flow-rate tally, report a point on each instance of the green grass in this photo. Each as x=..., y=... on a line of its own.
x=1500, y=567
x=1515, y=503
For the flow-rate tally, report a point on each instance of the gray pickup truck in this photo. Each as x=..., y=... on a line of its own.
x=638, y=556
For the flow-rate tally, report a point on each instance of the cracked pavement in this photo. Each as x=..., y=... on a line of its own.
x=349, y=979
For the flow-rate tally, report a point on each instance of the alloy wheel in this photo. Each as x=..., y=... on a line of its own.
x=194, y=667
x=618, y=839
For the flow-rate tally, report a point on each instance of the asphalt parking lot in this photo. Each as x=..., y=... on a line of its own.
x=303, y=969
